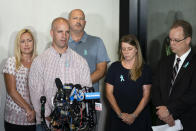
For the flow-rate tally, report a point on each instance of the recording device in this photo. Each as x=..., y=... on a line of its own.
x=74, y=108
x=43, y=122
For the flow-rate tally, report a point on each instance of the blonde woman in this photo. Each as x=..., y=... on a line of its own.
x=128, y=84
x=19, y=113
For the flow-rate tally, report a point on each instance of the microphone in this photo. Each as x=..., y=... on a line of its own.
x=59, y=84
x=78, y=86
x=79, y=95
x=43, y=99
x=76, y=94
x=43, y=122
x=92, y=95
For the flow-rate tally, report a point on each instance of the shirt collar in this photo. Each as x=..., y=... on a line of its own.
x=56, y=53
x=83, y=39
x=183, y=57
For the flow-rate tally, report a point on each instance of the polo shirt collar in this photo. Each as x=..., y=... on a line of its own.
x=84, y=37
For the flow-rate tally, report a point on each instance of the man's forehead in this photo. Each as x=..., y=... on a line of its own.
x=77, y=13
x=178, y=30
x=60, y=23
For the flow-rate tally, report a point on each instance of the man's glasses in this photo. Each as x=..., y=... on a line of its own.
x=175, y=40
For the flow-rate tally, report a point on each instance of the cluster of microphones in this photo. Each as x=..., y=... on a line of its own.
x=74, y=107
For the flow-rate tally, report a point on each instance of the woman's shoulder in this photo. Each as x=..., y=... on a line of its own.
x=115, y=64
x=11, y=61
x=147, y=68
x=10, y=66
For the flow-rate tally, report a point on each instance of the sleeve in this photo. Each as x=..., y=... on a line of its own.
x=36, y=87
x=110, y=75
x=10, y=66
x=147, y=75
x=85, y=78
x=102, y=55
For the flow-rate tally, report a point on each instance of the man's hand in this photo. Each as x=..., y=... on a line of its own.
x=162, y=112
x=164, y=115
x=169, y=120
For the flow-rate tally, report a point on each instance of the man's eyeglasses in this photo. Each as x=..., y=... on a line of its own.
x=175, y=40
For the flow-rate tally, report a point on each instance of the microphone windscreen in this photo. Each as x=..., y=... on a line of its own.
x=78, y=86
x=43, y=99
x=59, y=84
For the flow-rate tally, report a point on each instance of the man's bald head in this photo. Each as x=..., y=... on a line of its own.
x=57, y=21
x=76, y=10
x=77, y=21
x=60, y=33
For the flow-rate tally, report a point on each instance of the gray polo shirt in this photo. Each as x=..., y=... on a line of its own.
x=92, y=49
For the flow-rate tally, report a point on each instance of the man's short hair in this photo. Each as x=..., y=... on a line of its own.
x=56, y=20
x=186, y=26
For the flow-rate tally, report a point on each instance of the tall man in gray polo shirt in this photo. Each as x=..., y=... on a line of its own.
x=90, y=47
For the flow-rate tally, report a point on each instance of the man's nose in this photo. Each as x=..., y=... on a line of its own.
x=64, y=34
x=172, y=42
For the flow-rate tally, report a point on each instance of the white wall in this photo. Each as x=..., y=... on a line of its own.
x=102, y=20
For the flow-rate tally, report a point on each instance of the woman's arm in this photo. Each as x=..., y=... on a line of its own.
x=144, y=101
x=112, y=100
x=10, y=82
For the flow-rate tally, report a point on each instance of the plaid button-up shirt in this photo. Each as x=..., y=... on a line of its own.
x=69, y=67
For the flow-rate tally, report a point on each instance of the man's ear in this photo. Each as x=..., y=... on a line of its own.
x=188, y=40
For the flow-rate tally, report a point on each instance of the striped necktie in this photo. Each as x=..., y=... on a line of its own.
x=174, y=74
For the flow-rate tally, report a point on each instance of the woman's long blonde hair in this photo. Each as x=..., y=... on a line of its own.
x=136, y=71
x=17, y=51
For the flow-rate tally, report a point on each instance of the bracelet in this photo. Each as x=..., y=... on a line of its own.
x=120, y=115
